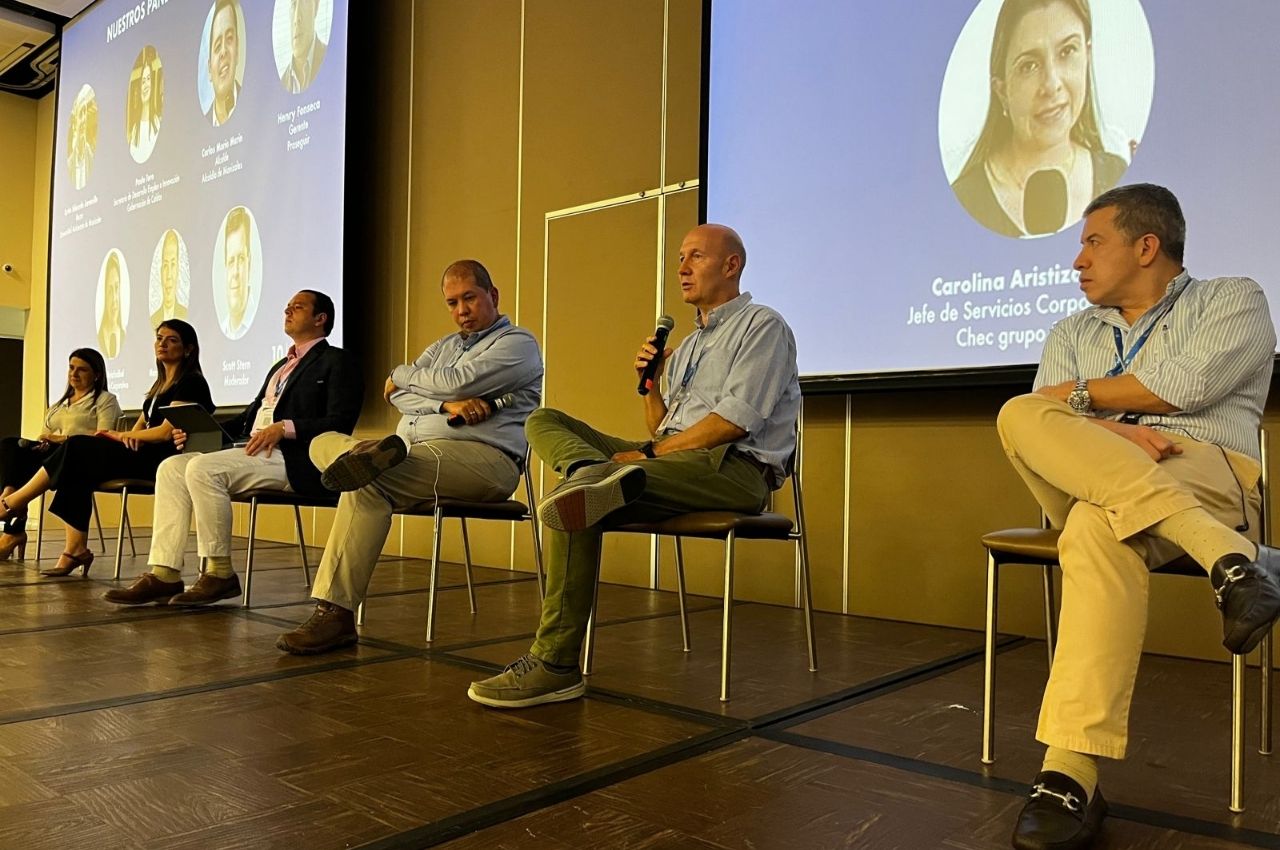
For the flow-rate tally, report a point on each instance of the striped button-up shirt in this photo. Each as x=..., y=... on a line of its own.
x=1209, y=353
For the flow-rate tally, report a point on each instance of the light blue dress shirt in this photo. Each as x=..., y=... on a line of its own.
x=740, y=364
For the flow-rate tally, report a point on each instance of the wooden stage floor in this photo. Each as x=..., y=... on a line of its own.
x=158, y=728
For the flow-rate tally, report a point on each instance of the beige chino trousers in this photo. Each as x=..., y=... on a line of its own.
x=1104, y=491
x=457, y=469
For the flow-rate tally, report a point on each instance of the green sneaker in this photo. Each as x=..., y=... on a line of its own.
x=526, y=682
x=590, y=494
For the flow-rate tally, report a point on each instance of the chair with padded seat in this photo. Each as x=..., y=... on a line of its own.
x=267, y=496
x=1039, y=547
x=730, y=527
x=510, y=510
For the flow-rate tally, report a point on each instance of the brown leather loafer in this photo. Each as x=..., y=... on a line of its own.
x=330, y=627
x=208, y=590
x=146, y=588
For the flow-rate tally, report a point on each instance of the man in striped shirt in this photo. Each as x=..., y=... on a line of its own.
x=1141, y=443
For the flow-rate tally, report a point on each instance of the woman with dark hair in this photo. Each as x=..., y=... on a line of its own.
x=146, y=102
x=86, y=407
x=76, y=469
x=1040, y=157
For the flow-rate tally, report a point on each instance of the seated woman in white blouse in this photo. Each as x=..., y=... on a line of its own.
x=85, y=408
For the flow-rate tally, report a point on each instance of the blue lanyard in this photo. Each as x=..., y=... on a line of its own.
x=691, y=368
x=1124, y=361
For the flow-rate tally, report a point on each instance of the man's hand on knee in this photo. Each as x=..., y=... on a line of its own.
x=1155, y=443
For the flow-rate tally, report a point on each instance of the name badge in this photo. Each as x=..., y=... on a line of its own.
x=265, y=417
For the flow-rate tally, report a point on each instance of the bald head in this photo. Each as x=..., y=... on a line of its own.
x=712, y=257
x=726, y=240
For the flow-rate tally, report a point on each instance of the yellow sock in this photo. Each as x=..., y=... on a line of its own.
x=1081, y=767
x=166, y=574
x=218, y=566
x=1203, y=537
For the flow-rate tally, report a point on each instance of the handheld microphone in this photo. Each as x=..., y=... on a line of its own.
x=650, y=373
x=1044, y=202
x=457, y=420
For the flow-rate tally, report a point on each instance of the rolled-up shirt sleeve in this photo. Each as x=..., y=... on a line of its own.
x=510, y=361
x=1234, y=338
x=763, y=368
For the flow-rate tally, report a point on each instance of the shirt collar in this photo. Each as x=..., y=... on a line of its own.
x=723, y=312
x=1175, y=288
x=468, y=340
x=300, y=351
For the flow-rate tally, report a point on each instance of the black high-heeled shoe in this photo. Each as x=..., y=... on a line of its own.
x=77, y=562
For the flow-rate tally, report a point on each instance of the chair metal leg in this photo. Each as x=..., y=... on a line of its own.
x=40, y=528
x=1237, y=732
x=1050, y=615
x=684, y=612
x=435, y=569
x=989, y=662
x=806, y=601
x=537, y=534
x=466, y=557
x=537, y=560
x=360, y=614
x=302, y=545
x=1264, y=711
x=97, y=518
x=248, y=561
x=806, y=585
x=589, y=645
x=124, y=517
x=726, y=639
x=128, y=527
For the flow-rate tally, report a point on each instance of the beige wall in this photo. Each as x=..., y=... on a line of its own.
x=524, y=134
x=18, y=144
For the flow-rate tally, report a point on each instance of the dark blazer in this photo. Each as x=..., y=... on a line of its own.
x=323, y=393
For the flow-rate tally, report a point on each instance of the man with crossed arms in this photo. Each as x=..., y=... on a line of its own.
x=480, y=460
x=722, y=436
x=1140, y=442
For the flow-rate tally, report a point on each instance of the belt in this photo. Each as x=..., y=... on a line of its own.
x=754, y=462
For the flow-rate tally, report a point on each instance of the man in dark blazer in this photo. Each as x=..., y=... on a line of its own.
x=316, y=388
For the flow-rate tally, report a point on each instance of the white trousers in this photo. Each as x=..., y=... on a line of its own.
x=202, y=485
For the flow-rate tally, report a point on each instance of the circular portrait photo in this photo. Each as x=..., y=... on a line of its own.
x=300, y=38
x=222, y=55
x=144, y=104
x=111, y=304
x=237, y=272
x=170, y=289
x=82, y=135
x=1043, y=107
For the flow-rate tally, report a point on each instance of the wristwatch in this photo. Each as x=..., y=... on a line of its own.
x=646, y=449
x=1079, y=398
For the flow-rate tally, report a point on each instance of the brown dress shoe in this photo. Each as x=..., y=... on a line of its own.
x=330, y=627
x=208, y=590
x=366, y=461
x=147, y=588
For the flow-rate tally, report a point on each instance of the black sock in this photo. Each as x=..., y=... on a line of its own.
x=559, y=668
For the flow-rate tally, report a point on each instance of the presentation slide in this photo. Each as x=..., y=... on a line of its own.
x=198, y=175
x=910, y=185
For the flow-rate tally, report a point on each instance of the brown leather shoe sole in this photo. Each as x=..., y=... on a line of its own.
x=360, y=466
